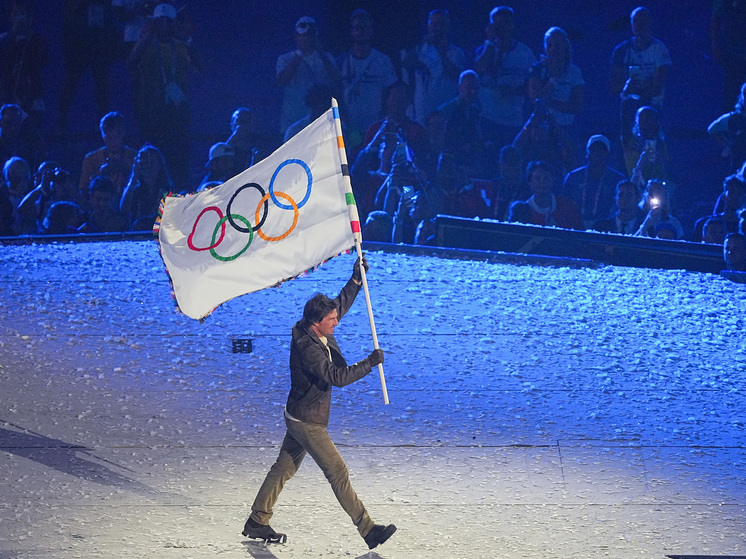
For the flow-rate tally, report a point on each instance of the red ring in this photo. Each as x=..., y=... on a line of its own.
x=194, y=228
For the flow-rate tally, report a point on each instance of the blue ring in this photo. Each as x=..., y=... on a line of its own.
x=271, y=188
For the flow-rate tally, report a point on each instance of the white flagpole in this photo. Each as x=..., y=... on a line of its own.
x=355, y=219
x=372, y=323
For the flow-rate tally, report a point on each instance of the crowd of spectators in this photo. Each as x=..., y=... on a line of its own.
x=489, y=134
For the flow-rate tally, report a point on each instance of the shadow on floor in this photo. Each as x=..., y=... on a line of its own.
x=72, y=459
x=259, y=550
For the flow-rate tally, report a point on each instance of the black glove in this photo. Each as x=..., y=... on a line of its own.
x=376, y=357
x=356, y=275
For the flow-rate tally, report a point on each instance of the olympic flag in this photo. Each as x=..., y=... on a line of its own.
x=279, y=218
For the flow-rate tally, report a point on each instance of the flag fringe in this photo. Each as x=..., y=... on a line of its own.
x=156, y=232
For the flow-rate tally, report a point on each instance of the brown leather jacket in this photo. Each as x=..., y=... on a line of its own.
x=312, y=375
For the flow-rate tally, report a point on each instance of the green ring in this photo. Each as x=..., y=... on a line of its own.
x=215, y=235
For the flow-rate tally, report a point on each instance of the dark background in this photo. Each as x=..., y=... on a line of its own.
x=241, y=39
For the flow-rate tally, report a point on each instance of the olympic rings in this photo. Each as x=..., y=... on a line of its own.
x=194, y=228
x=286, y=233
x=242, y=224
x=308, y=187
x=230, y=215
x=221, y=223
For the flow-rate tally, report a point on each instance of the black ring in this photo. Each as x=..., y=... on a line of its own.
x=230, y=217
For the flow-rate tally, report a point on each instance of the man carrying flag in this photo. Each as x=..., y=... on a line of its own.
x=317, y=364
x=274, y=221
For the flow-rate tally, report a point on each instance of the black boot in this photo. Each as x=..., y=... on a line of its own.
x=379, y=534
x=256, y=531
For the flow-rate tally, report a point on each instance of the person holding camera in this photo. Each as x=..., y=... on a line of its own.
x=433, y=66
x=556, y=81
x=160, y=65
x=646, y=150
x=404, y=174
x=658, y=221
x=365, y=73
x=463, y=132
x=51, y=184
x=396, y=100
x=300, y=69
x=639, y=70
x=503, y=64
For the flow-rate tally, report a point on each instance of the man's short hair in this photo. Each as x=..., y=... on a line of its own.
x=317, y=307
x=58, y=217
x=510, y=154
x=440, y=11
x=501, y=11
x=538, y=165
x=378, y=226
x=642, y=11
x=111, y=120
x=18, y=165
x=466, y=74
x=10, y=107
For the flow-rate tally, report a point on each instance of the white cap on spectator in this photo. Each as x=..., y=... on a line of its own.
x=221, y=149
x=598, y=138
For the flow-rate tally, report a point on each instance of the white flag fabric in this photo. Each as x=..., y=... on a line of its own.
x=279, y=218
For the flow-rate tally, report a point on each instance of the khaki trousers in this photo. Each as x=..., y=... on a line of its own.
x=302, y=438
